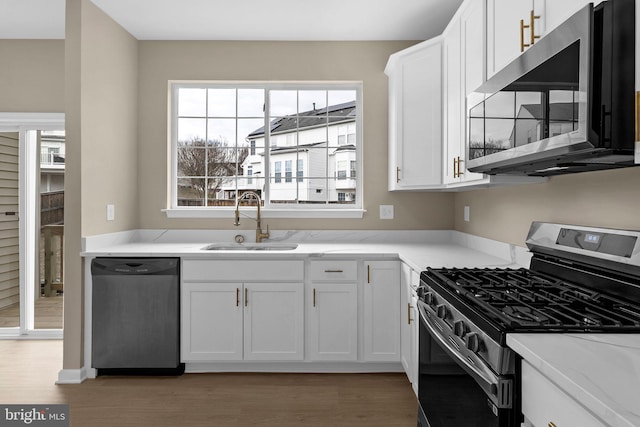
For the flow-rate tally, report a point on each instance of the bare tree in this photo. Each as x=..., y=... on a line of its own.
x=204, y=167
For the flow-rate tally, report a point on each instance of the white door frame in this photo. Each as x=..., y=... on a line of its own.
x=28, y=239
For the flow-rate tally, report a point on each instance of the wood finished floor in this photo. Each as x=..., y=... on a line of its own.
x=28, y=370
x=47, y=314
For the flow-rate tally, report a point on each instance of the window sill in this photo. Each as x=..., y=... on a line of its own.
x=265, y=213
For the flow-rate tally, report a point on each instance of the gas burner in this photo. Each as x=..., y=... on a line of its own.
x=525, y=313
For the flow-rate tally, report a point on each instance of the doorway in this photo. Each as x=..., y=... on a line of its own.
x=31, y=225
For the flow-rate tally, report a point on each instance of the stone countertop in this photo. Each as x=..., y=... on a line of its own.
x=418, y=249
x=600, y=371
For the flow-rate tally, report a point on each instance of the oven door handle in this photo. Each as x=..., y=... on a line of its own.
x=497, y=389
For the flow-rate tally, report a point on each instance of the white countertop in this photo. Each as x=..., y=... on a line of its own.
x=600, y=371
x=419, y=249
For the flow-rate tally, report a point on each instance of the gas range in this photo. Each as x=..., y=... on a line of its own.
x=581, y=279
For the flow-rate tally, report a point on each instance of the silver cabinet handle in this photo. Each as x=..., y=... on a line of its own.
x=334, y=271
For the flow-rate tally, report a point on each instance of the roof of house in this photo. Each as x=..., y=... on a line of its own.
x=564, y=111
x=307, y=119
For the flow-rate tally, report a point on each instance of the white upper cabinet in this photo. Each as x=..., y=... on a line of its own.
x=415, y=117
x=512, y=26
x=464, y=65
x=558, y=11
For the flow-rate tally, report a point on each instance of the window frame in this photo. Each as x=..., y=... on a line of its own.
x=355, y=210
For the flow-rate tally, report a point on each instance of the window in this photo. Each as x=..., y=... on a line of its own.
x=287, y=171
x=228, y=138
x=278, y=171
x=300, y=170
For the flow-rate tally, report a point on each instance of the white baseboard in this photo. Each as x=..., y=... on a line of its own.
x=71, y=376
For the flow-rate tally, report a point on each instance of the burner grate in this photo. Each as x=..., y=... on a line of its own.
x=521, y=298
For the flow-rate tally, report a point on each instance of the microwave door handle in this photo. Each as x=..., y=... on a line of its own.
x=486, y=379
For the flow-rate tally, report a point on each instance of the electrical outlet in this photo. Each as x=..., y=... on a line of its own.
x=111, y=212
x=467, y=213
x=386, y=211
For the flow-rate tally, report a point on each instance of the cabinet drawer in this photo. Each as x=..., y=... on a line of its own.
x=544, y=403
x=243, y=270
x=332, y=270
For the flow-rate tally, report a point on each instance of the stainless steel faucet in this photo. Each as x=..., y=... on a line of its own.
x=259, y=233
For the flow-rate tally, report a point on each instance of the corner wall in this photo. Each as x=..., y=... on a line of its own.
x=32, y=76
x=101, y=146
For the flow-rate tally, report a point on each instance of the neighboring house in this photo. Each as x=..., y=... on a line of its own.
x=309, y=161
x=563, y=118
x=52, y=154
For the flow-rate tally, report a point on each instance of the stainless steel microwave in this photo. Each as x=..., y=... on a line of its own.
x=565, y=105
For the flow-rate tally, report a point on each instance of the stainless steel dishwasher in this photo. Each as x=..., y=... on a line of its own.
x=136, y=316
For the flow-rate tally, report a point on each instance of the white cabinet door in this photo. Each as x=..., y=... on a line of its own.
x=408, y=355
x=415, y=117
x=558, y=11
x=211, y=322
x=333, y=322
x=473, y=57
x=382, y=311
x=452, y=93
x=273, y=321
x=503, y=29
x=544, y=404
x=464, y=65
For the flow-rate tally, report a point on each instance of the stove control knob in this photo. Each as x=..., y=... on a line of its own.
x=459, y=328
x=441, y=311
x=472, y=341
x=429, y=299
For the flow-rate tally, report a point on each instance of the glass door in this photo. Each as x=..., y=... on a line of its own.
x=31, y=225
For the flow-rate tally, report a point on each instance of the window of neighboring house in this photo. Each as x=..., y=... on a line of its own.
x=278, y=171
x=216, y=126
x=287, y=171
x=342, y=169
x=342, y=197
x=300, y=170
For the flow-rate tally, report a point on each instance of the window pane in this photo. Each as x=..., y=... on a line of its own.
x=315, y=191
x=192, y=102
x=282, y=129
x=191, y=131
x=341, y=96
x=250, y=102
x=222, y=191
x=311, y=100
x=191, y=191
x=222, y=102
x=222, y=131
x=283, y=102
x=221, y=161
x=191, y=161
x=341, y=186
x=247, y=127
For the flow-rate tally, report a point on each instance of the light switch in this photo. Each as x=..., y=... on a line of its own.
x=467, y=213
x=386, y=211
x=111, y=212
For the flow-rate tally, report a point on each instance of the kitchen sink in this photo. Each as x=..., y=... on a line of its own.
x=250, y=247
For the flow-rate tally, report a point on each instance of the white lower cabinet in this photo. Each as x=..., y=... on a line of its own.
x=545, y=404
x=332, y=306
x=381, y=291
x=242, y=320
x=211, y=322
x=409, y=324
x=333, y=322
